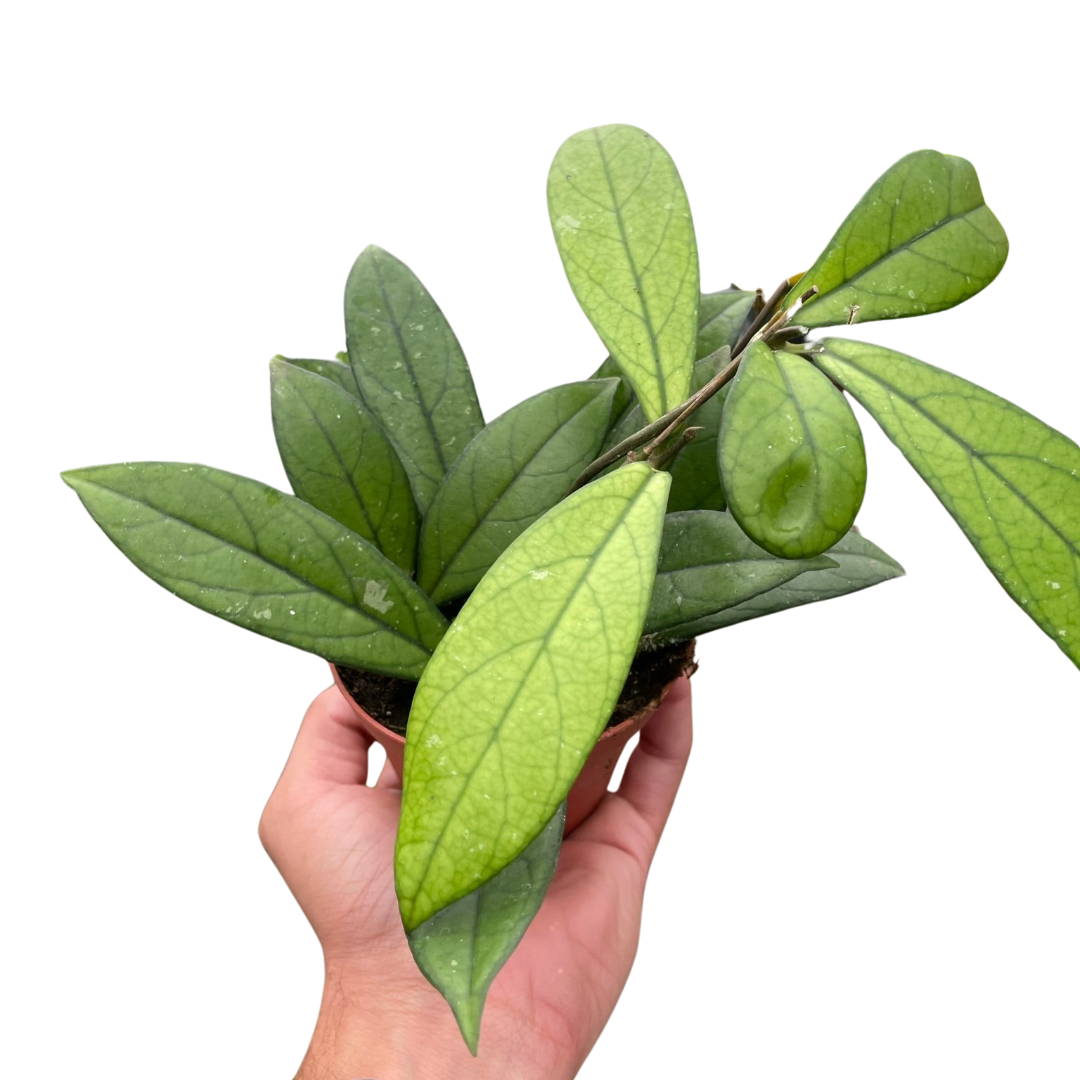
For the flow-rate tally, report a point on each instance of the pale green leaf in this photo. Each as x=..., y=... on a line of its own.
x=858, y=565
x=463, y=947
x=1011, y=482
x=338, y=460
x=516, y=469
x=522, y=686
x=707, y=564
x=920, y=240
x=791, y=455
x=410, y=368
x=264, y=560
x=623, y=228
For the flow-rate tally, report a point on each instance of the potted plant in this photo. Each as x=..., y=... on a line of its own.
x=512, y=589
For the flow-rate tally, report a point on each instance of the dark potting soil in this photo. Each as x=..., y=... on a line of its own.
x=388, y=700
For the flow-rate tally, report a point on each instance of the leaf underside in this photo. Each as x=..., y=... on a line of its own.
x=522, y=686
x=1011, y=482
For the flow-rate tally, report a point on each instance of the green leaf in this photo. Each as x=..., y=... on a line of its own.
x=720, y=317
x=410, y=368
x=338, y=460
x=858, y=564
x=791, y=455
x=462, y=948
x=624, y=399
x=920, y=240
x=522, y=686
x=516, y=469
x=1011, y=482
x=334, y=370
x=622, y=224
x=695, y=476
x=265, y=561
x=707, y=564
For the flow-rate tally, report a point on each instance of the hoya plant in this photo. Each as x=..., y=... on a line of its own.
x=510, y=574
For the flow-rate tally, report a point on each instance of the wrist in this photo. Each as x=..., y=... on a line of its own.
x=369, y=1029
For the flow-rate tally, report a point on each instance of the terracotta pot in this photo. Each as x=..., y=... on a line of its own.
x=592, y=781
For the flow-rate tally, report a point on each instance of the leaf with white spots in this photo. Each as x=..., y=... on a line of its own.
x=264, y=560
x=1011, y=482
x=338, y=460
x=410, y=368
x=462, y=948
x=522, y=686
x=922, y=239
x=335, y=371
x=623, y=228
x=516, y=469
x=708, y=564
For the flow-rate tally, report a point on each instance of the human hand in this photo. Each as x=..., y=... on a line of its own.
x=332, y=839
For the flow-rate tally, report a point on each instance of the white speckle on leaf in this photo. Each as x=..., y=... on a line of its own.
x=266, y=613
x=375, y=596
x=568, y=224
x=539, y=574
x=433, y=740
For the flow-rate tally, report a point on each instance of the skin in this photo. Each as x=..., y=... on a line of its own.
x=332, y=839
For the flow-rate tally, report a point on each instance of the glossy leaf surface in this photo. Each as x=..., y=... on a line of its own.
x=522, y=686
x=920, y=240
x=695, y=475
x=858, y=565
x=1011, y=482
x=410, y=368
x=708, y=564
x=791, y=455
x=338, y=460
x=265, y=561
x=623, y=228
x=516, y=469
x=462, y=948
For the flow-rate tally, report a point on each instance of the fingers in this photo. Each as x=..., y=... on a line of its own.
x=330, y=746
x=634, y=817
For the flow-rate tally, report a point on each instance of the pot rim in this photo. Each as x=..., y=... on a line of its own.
x=629, y=724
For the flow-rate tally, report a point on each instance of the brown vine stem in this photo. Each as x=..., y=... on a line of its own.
x=661, y=429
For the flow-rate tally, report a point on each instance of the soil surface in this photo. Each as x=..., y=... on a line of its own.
x=388, y=700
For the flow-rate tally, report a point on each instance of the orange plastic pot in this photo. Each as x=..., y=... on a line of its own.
x=592, y=781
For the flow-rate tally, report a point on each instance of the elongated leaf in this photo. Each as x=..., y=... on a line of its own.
x=791, y=455
x=410, y=368
x=521, y=687
x=265, y=561
x=623, y=228
x=516, y=469
x=463, y=947
x=858, y=565
x=338, y=460
x=338, y=373
x=1011, y=482
x=708, y=564
x=921, y=239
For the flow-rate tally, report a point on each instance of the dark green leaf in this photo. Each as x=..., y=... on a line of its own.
x=265, y=561
x=516, y=469
x=337, y=372
x=708, y=564
x=859, y=564
x=624, y=399
x=720, y=318
x=410, y=368
x=338, y=459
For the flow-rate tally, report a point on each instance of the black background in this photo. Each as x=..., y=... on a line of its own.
x=871, y=774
